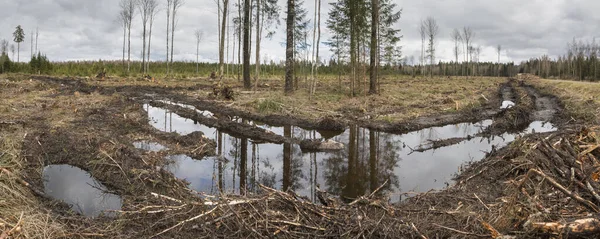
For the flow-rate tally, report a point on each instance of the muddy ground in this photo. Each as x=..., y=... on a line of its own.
x=93, y=126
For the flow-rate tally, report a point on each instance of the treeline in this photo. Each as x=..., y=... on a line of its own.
x=579, y=63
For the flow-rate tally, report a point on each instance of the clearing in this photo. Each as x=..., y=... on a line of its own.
x=428, y=157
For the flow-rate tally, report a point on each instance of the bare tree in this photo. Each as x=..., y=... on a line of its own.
x=123, y=21
x=432, y=29
x=222, y=38
x=198, y=35
x=169, y=4
x=128, y=8
x=316, y=45
x=145, y=8
x=457, y=38
x=3, y=47
x=37, y=35
x=31, y=45
x=467, y=37
x=12, y=50
x=499, y=49
x=153, y=12
x=423, y=34
x=176, y=5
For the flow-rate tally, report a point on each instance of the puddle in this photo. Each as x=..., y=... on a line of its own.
x=507, y=104
x=78, y=189
x=204, y=113
x=370, y=158
x=149, y=146
x=167, y=121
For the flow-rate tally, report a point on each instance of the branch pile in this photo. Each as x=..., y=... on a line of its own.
x=273, y=214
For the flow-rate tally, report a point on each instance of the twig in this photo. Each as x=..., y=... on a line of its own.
x=299, y=225
x=187, y=220
x=417, y=231
x=119, y=166
x=486, y=207
x=461, y=232
x=166, y=197
x=379, y=188
x=550, y=180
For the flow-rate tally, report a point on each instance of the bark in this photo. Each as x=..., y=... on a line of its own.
x=289, y=51
x=222, y=40
x=149, y=42
x=169, y=3
x=258, y=35
x=374, y=46
x=353, y=45
x=239, y=39
x=246, y=65
x=317, y=46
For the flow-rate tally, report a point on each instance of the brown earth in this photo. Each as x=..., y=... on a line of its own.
x=92, y=124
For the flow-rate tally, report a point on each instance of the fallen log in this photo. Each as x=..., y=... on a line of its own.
x=578, y=228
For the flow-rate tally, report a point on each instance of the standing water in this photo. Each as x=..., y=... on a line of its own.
x=369, y=159
x=77, y=188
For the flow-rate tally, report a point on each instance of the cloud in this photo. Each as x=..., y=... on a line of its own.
x=88, y=29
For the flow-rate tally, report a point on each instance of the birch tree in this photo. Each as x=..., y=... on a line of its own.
x=176, y=5
x=198, y=34
x=145, y=7
x=457, y=38
x=467, y=37
x=128, y=8
x=432, y=29
x=153, y=12
x=222, y=37
x=169, y=5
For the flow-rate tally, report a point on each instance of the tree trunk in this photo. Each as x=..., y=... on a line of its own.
x=173, y=30
x=149, y=42
x=124, y=42
x=314, y=86
x=168, y=24
x=374, y=46
x=239, y=40
x=129, y=46
x=289, y=51
x=246, y=66
x=353, y=45
x=222, y=40
x=144, y=48
x=258, y=35
x=18, y=51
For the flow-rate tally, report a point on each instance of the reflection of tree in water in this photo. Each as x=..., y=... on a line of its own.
x=292, y=164
x=371, y=159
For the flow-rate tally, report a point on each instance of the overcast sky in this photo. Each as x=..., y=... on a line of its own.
x=88, y=29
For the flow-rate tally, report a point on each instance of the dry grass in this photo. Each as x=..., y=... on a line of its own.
x=401, y=98
x=581, y=99
x=21, y=214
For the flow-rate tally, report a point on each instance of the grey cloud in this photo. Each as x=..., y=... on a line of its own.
x=87, y=29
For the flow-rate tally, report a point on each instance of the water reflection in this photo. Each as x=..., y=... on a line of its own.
x=78, y=189
x=371, y=159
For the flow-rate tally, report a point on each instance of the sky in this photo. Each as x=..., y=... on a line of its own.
x=89, y=30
